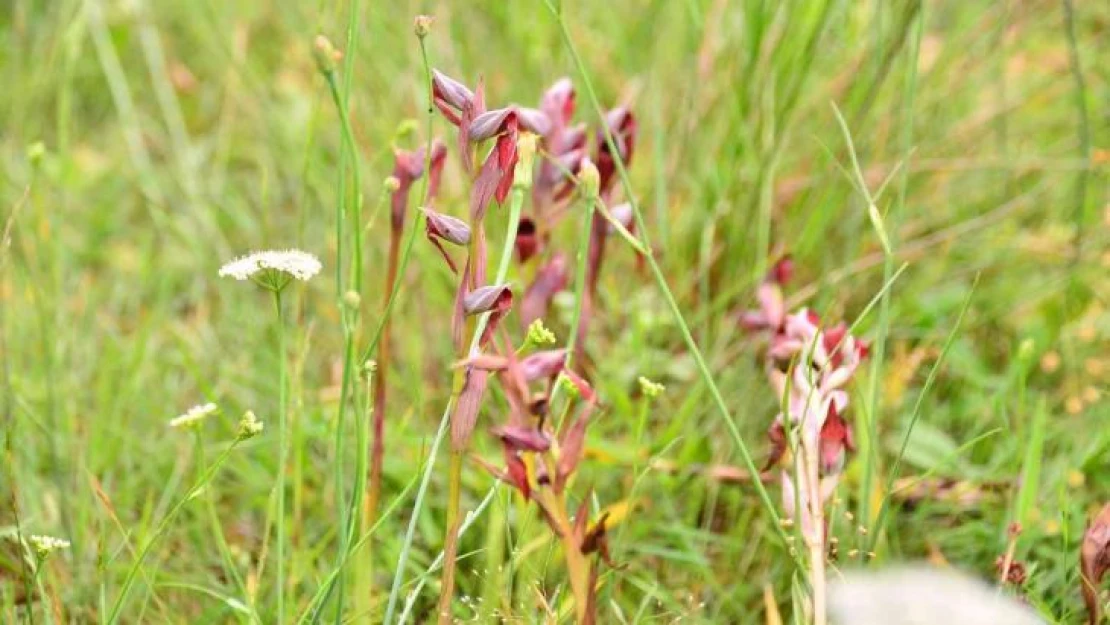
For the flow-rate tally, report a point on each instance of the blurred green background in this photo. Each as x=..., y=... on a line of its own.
x=146, y=142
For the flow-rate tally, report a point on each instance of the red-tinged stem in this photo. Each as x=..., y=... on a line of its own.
x=377, y=450
x=454, y=476
x=451, y=546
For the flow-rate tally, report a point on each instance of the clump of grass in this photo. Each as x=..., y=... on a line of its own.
x=104, y=322
x=193, y=419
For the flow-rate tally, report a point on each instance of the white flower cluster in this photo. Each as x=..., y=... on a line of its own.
x=298, y=264
x=43, y=545
x=193, y=416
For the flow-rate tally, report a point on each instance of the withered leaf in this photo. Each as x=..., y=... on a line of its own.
x=1094, y=561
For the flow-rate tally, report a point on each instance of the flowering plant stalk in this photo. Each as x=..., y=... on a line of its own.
x=507, y=173
x=249, y=427
x=273, y=271
x=808, y=366
x=349, y=295
x=469, y=385
x=192, y=419
x=37, y=551
x=541, y=457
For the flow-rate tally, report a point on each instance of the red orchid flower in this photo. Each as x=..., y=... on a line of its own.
x=621, y=124
x=495, y=178
x=835, y=441
x=460, y=106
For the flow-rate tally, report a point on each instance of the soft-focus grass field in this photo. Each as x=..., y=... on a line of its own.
x=145, y=143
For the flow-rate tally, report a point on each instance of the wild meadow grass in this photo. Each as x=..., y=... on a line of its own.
x=505, y=369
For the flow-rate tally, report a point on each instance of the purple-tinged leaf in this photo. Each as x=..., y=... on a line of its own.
x=488, y=299
x=465, y=417
x=450, y=92
x=490, y=124
x=571, y=448
x=550, y=279
x=523, y=438
x=543, y=365
x=439, y=157
x=534, y=120
x=484, y=188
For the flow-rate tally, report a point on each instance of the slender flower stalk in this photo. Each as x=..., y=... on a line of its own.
x=274, y=271
x=591, y=189
x=521, y=187
x=283, y=445
x=660, y=279
x=425, y=164
x=249, y=427
x=42, y=548
x=202, y=482
x=808, y=366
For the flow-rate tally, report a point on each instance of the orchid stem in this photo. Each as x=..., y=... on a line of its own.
x=447, y=588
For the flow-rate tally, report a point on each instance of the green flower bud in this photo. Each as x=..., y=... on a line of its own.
x=249, y=426
x=326, y=54
x=36, y=152
x=526, y=151
x=650, y=389
x=422, y=25
x=589, y=178
x=539, y=334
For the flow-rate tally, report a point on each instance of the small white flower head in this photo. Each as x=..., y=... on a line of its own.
x=250, y=426
x=650, y=389
x=193, y=417
x=44, y=545
x=539, y=334
x=273, y=269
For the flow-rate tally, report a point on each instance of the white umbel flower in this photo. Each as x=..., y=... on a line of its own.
x=193, y=416
x=292, y=263
x=43, y=545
